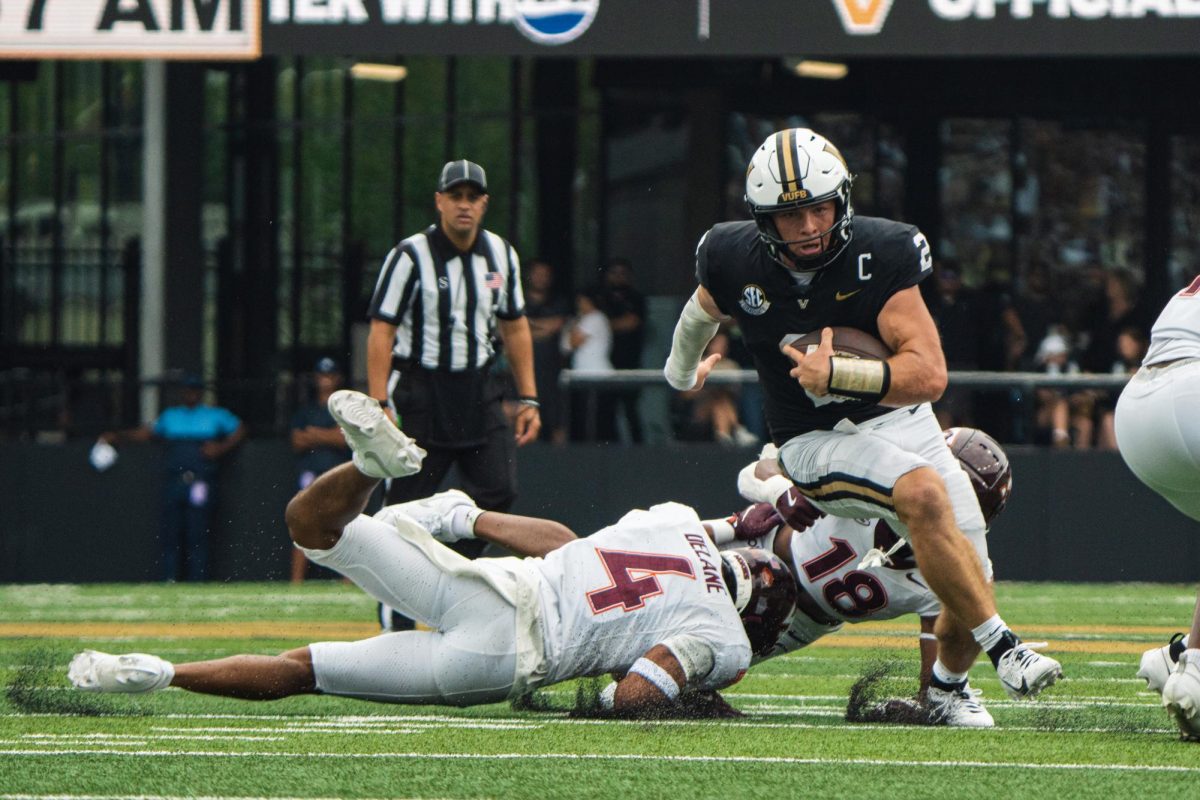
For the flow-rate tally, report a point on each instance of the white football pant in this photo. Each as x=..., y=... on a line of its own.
x=469, y=657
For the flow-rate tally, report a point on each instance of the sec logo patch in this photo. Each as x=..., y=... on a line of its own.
x=754, y=300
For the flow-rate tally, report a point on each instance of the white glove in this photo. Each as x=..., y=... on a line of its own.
x=102, y=456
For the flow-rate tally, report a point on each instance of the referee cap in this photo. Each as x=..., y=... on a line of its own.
x=462, y=171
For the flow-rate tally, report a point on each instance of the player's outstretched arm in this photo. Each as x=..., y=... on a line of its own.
x=525, y=536
x=698, y=324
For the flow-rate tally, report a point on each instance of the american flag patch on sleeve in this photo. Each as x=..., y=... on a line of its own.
x=493, y=280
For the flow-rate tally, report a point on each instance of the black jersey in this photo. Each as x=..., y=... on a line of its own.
x=883, y=258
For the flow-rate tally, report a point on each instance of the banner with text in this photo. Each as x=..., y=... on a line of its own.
x=95, y=29
x=843, y=28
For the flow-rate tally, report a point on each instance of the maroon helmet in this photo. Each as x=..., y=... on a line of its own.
x=763, y=592
x=985, y=463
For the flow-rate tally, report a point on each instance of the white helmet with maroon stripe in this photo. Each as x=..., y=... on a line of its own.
x=794, y=168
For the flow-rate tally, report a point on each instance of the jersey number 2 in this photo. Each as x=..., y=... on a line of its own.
x=630, y=592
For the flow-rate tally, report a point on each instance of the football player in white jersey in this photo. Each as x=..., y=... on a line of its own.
x=1158, y=434
x=650, y=598
x=854, y=570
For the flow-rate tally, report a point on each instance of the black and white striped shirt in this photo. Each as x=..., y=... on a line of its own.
x=445, y=310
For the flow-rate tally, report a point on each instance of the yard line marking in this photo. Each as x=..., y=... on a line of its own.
x=869, y=762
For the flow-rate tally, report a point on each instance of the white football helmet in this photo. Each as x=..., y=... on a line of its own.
x=794, y=168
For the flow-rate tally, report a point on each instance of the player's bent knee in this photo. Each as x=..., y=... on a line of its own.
x=920, y=493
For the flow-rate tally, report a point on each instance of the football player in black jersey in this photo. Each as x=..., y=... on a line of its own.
x=856, y=435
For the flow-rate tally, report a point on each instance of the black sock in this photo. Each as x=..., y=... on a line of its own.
x=945, y=686
x=1176, y=647
x=1007, y=642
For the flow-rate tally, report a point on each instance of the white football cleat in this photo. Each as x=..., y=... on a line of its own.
x=434, y=514
x=1156, y=665
x=1024, y=672
x=381, y=450
x=1181, y=695
x=959, y=708
x=93, y=671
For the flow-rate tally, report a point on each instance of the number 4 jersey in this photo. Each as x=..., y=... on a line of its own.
x=652, y=578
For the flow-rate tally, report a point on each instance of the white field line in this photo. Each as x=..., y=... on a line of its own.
x=157, y=797
x=841, y=762
x=377, y=726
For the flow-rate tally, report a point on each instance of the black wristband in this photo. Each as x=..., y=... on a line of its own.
x=382, y=403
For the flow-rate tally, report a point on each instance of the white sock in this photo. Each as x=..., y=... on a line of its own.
x=944, y=675
x=988, y=634
x=461, y=523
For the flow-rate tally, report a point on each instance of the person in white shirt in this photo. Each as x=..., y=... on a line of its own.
x=587, y=344
x=650, y=598
x=1157, y=423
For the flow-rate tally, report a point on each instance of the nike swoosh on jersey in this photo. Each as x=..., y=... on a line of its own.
x=846, y=295
x=909, y=575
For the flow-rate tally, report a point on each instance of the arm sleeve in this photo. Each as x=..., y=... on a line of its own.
x=913, y=259
x=693, y=332
x=512, y=299
x=227, y=422
x=693, y=654
x=395, y=287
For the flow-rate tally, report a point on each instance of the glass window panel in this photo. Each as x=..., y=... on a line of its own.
x=587, y=184
x=321, y=207
x=35, y=207
x=424, y=131
x=285, y=134
x=1185, y=208
x=483, y=129
x=373, y=195
x=976, y=196
x=83, y=263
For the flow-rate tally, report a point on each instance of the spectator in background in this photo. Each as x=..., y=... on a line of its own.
x=547, y=312
x=956, y=312
x=625, y=308
x=197, y=436
x=1114, y=312
x=317, y=441
x=711, y=412
x=587, y=341
x=1132, y=344
x=1054, y=357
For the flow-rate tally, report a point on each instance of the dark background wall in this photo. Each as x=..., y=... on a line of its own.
x=1074, y=515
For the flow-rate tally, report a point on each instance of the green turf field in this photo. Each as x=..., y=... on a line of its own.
x=1098, y=734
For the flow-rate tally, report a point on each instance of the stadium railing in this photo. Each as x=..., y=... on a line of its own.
x=1026, y=383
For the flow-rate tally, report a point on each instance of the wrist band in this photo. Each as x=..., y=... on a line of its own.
x=532, y=402
x=722, y=530
x=861, y=378
x=928, y=637
x=658, y=676
x=608, y=695
x=382, y=403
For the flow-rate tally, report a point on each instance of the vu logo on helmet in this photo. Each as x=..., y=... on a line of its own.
x=795, y=168
x=863, y=17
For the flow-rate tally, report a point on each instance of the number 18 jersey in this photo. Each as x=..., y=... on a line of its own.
x=652, y=576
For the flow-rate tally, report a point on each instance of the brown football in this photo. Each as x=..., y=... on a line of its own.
x=846, y=342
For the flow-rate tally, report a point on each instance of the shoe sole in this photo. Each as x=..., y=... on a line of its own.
x=350, y=412
x=1182, y=720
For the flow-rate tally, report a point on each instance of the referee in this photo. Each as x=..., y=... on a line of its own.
x=441, y=296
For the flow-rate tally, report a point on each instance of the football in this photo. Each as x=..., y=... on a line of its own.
x=850, y=342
